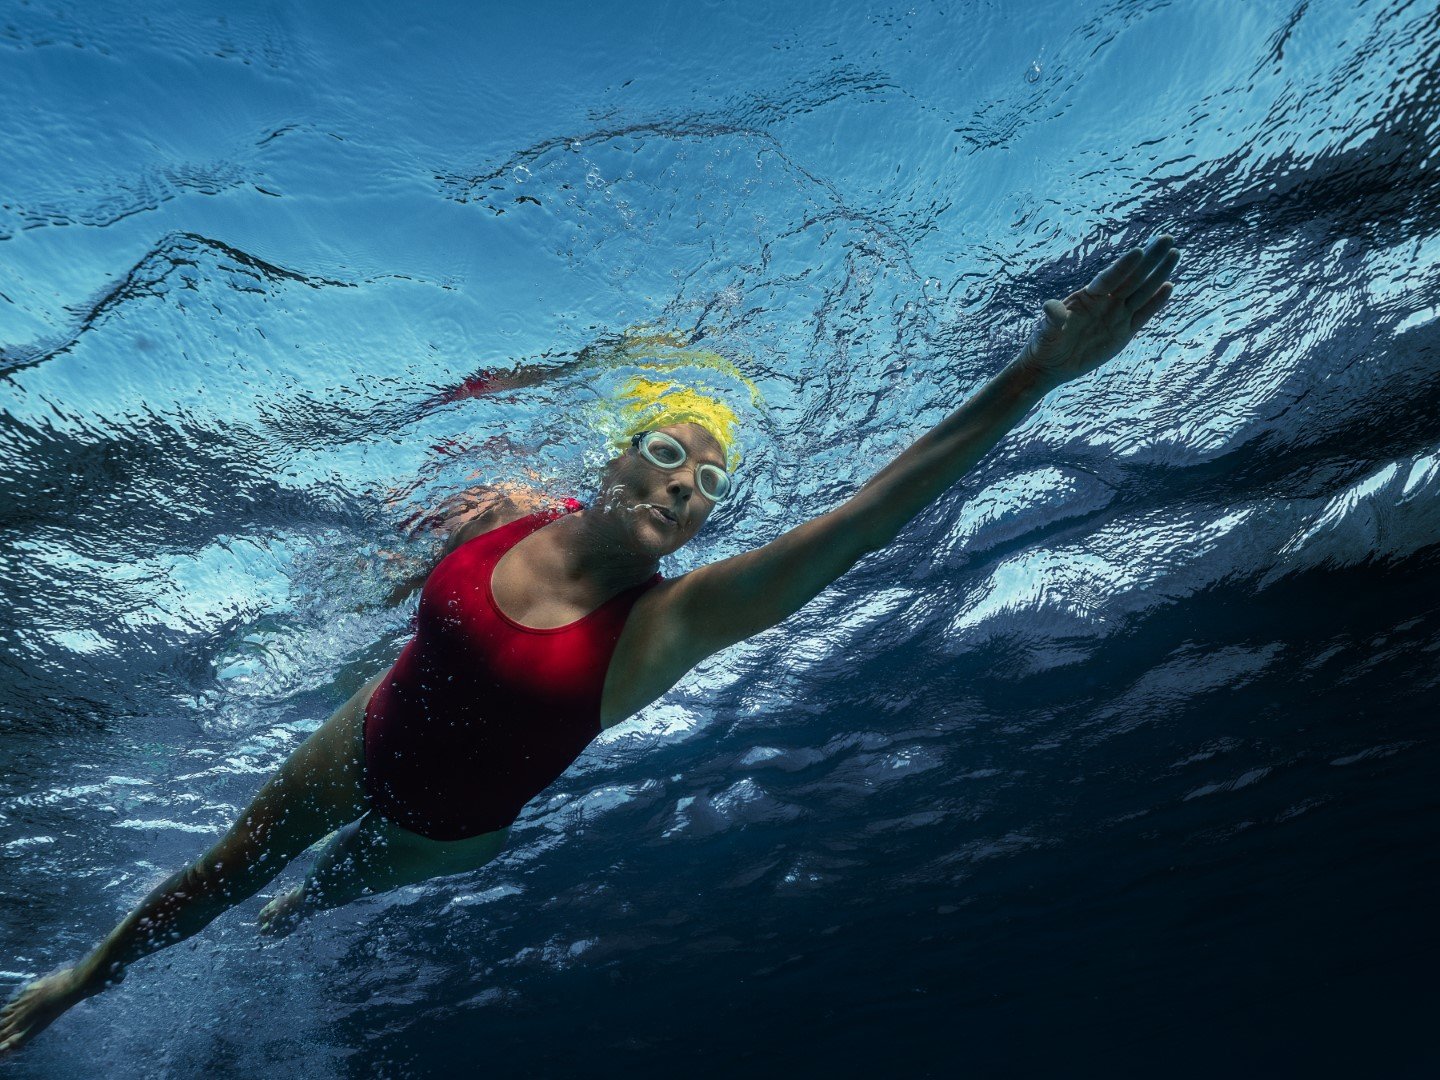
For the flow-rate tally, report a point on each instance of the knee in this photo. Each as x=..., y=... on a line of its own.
x=217, y=877
x=235, y=868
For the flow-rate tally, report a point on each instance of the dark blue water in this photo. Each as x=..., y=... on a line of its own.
x=1119, y=762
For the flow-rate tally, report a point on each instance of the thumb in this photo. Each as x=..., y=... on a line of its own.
x=1051, y=326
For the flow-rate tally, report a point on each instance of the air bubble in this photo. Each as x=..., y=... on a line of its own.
x=1034, y=71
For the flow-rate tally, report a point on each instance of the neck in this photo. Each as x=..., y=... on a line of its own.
x=590, y=549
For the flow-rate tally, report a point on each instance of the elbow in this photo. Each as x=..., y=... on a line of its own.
x=869, y=537
x=875, y=541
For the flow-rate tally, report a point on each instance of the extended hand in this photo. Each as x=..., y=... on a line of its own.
x=1094, y=324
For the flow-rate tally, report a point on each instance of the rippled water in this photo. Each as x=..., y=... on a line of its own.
x=1121, y=758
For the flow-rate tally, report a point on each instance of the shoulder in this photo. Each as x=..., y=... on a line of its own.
x=495, y=506
x=682, y=620
x=652, y=655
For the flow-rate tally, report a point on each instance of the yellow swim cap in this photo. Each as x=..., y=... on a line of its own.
x=643, y=403
x=650, y=403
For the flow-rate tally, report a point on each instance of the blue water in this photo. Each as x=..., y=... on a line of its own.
x=1119, y=762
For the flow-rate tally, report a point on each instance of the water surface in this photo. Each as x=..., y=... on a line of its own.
x=1119, y=760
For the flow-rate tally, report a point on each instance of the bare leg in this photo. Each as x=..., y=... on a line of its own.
x=319, y=787
x=373, y=855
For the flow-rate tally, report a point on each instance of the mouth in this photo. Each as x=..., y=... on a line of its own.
x=659, y=512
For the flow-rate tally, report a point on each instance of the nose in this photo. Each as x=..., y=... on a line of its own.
x=681, y=482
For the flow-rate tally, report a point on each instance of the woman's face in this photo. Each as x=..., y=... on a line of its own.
x=663, y=508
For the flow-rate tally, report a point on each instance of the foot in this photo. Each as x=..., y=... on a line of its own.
x=36, y=1006
x=283, y=914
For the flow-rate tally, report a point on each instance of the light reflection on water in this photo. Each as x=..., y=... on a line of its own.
x=1095, y=724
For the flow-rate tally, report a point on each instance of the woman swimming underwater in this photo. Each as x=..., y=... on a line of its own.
x=539, y=628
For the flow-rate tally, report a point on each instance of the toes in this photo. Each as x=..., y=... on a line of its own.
x=280, y=915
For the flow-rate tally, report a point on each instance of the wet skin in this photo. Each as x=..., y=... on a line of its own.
x=590, y=555
x=577, y=562
x=631, y=484
x=586, y=557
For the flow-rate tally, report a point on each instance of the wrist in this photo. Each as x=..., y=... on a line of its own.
x=1026, y=377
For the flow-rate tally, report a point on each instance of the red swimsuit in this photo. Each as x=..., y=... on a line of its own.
x=479, y=713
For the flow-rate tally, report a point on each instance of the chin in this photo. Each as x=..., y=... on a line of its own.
x=664, y=545
x=648, y=540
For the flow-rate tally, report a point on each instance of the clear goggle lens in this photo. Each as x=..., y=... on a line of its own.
x=666, y=453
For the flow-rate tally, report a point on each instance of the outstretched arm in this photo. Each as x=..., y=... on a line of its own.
x=489, y=381
x=1074, y=338
x=728, y=601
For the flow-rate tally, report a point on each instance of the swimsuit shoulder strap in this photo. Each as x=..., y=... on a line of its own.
x=495, y=542
x=512, y=532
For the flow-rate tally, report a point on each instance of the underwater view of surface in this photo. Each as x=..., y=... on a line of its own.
x=1115, y=762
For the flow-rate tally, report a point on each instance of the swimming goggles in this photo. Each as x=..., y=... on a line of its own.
x=666, y=453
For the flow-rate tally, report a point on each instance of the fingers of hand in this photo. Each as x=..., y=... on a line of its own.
x=1113, y=275
x=1138, y=270
x=1150, y=284
x=1151, y=306
x=1056, y=313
